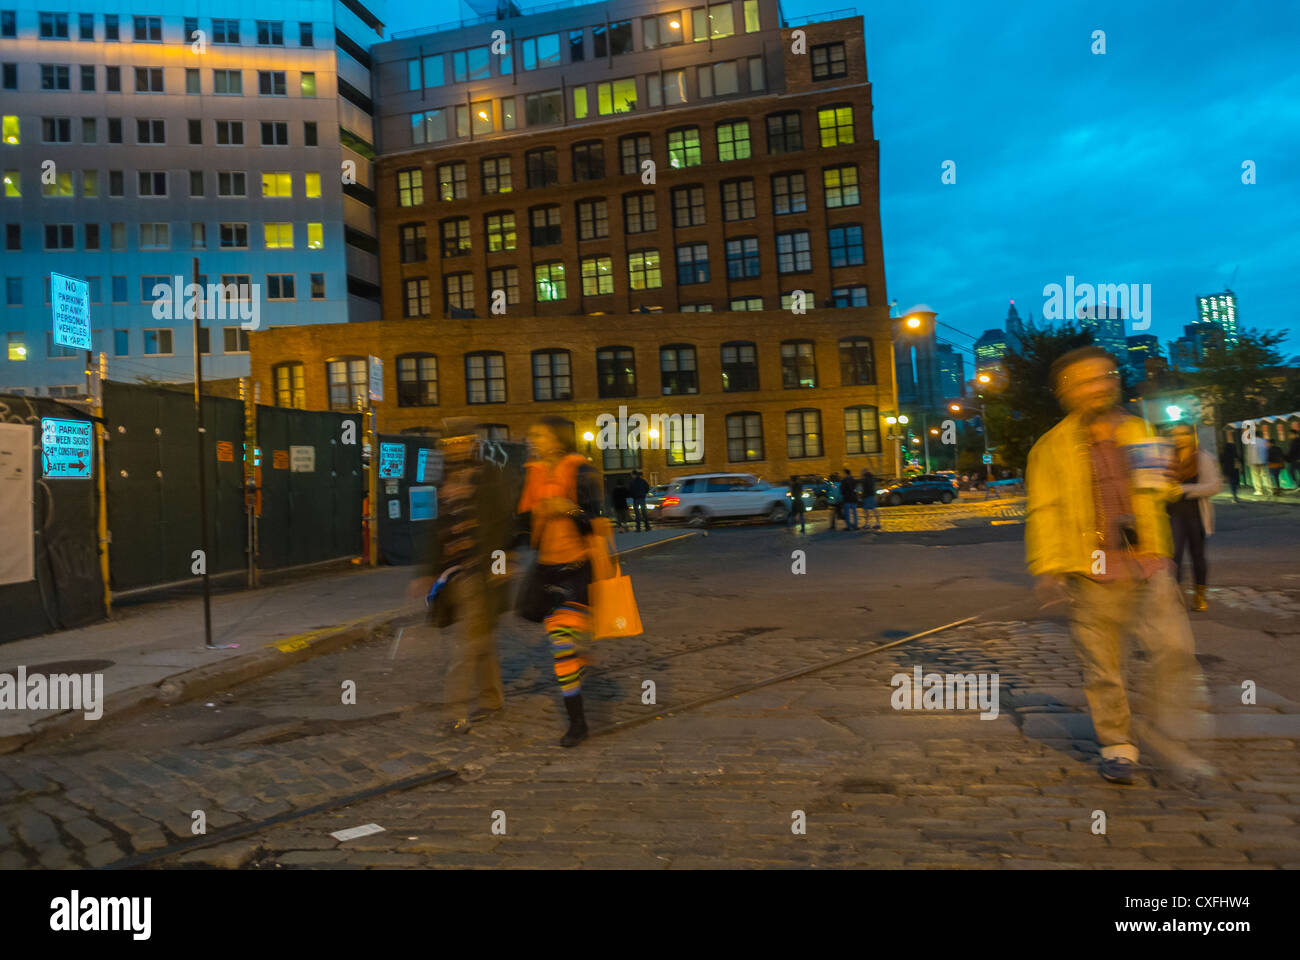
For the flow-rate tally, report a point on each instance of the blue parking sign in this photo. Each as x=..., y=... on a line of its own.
x=67, y=448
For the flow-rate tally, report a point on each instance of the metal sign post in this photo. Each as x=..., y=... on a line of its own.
x=200, y=438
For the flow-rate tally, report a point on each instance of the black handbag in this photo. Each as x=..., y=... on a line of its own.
x=533, y=601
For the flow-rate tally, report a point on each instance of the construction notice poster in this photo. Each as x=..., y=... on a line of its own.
x=18, y=559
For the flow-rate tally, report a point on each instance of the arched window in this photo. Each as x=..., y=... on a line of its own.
x=616, y=372
x=289, y=380
x=798, y=365
x=552, y=375
x=347, y=381
x=678, y=371
x=485, y=377
x=857, y=362
x=744, y=436
x=861, y=430
x=803, y=433
x=739, y=366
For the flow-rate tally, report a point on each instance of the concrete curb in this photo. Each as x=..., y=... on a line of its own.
x=200, y=681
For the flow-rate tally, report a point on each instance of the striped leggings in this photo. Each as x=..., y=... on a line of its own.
x=569, y=628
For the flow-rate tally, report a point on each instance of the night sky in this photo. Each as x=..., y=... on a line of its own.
x=1117, y=168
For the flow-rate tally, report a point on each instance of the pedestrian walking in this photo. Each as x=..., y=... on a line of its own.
x=796, y=506
x=638, y=488
x=620, y=497
x=474, y=520
x=1097, y=533
x=870, y=505
x=1228, y=464
x=562, y=500
x=1276, y=461
x=849, y=498
x=1191, y=513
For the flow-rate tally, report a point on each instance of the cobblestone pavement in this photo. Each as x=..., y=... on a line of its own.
x=714, y=784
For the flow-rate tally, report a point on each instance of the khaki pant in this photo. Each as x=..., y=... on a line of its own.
x=473, y=667
x=1100, y=616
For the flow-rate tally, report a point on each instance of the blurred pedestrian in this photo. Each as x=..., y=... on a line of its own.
x=639, y=489
x=474, y=520
x=1293, y=455
x=1276, y=461
x=619, y=497
x=870, y=505
x=1255, y=456
x=562, y=499
x=849, y=497
x=1097, y=533
x=796, y=506
x=1228, y=463
x=1191, y=513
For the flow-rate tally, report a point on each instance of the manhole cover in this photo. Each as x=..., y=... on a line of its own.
x=61, y=666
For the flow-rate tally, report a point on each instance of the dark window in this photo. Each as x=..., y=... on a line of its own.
x=738, y=200
x=739, y=367
x=784, y=133
x=148, y=29
x=861, y=430
x=677, y=369
x=309, y=133
x=576, y=48
x=639, y=213
x=798, y=365
x=803, y=433
x=541, y=166
x=552, y=375
x=793, y=252
x=414, y=237
x=744, y=437
x=692, y=263
x=857, y=363
x=593, y=220
x=496, y=175
x=270, y=33
x=849, y=297
x=485, y=377
x=789, y=193
x=616, y=372
x=828, y=61
x=742, y=258
x=845, y=245
x=54, y=26
x=688, y=206
x=544, y=226
x=305, y=37
x=633, y=150
x=113, y=79
x=8, y=23
x=275, y=133
x=589, y=161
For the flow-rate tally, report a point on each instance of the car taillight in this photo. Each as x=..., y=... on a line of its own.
x=671, y=501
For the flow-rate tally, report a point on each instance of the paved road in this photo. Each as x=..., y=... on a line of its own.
x=719, y=781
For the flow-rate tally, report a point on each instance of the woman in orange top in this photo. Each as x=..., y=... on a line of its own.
x=563, y=498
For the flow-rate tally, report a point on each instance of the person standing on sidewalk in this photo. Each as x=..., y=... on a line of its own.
x=1293, y=455
x=639, y=489
x=870, y=506
x=1255, y=455
x=619, y=497
x=1191, y=514
x=1228, y=461
x=849, y=497
x=474, y=519
x=1097, y=534
x=562, y=499
x=1276, y=461
x=796, y=506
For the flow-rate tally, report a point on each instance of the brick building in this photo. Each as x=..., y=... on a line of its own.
x=776, y=398
x=627, y=180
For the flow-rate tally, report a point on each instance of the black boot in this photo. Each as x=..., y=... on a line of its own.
x=577, y=722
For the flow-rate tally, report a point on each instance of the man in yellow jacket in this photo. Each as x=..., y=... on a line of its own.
x=1097, y=532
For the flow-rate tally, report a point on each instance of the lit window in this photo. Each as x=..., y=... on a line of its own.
x=279, y=236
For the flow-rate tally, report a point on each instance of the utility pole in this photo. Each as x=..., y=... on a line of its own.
x=200, y=439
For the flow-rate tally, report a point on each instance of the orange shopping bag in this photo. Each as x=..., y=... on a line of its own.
x=613, y=607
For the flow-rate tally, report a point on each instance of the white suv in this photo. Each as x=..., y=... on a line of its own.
x=702, y=497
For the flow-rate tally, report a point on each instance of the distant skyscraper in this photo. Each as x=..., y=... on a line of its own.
x=1141, y=347
x=989, y=350
x=1107, y=325
x=1219, y=309
x=1015, y=329
x=1182, y=353
x=952, y=371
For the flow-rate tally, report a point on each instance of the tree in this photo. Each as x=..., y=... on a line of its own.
x=1239, y=380
x=1021, y=407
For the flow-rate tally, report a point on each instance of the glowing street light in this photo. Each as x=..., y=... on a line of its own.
x=1173, y=411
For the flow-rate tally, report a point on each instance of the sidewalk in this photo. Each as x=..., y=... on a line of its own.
x=154, y=653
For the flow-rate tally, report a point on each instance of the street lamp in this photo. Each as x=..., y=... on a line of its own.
x=984, y=422
x=589, y=436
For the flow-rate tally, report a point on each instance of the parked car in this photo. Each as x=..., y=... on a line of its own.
x=925, y=488
x=819, y=492
x=703, y=497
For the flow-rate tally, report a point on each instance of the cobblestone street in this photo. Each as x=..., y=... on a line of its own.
x=730, y=755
